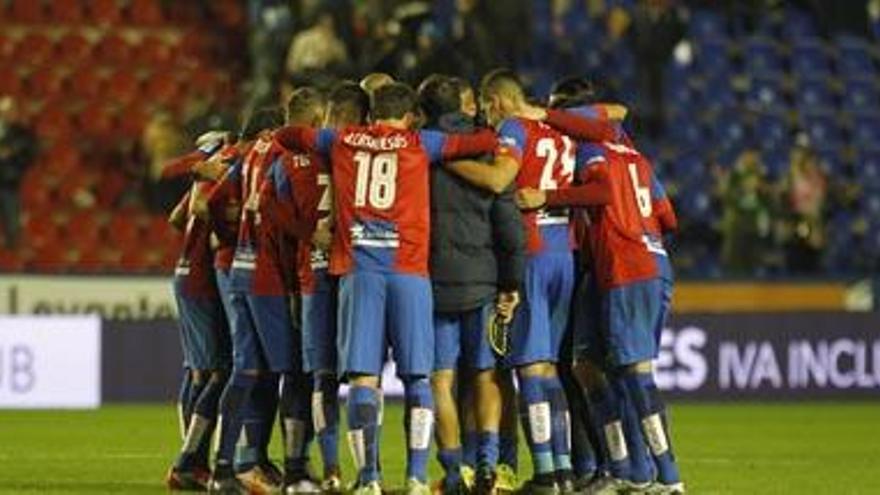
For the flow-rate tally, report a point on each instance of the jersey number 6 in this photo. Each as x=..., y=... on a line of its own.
x=643, y=194
x=376, y=179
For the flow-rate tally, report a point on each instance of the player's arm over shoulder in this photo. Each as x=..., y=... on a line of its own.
x=592, y=126
x=305, y=139
x=497, y=175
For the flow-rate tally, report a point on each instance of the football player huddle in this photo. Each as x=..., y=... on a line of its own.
x=507, y=257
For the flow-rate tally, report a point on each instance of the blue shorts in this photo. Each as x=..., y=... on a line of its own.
x=319, y=325
x=223, y=288
x=633, y=317
x=204, y=333
x=380, y=309
x=263, y=337
x=464, y=335
x=539, y=324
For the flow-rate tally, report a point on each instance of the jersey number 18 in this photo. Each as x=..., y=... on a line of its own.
x=376, y=179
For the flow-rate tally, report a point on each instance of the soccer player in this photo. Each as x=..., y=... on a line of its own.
x=204, y=335
x=634, y=278
x=380, y=252
x=477, y=252
x=301, y=190
x=546, y=163
x=264, y=344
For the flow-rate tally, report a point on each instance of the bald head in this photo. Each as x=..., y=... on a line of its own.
x=375, y=80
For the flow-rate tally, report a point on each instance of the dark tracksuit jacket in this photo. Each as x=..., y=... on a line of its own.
x=477, y=237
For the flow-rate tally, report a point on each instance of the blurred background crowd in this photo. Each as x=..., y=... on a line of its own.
x=762, y=117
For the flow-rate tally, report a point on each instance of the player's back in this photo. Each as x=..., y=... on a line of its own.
x=257, y=263
x=194, y=267
x=626, y=238
x=381, y=183
x=547, y=162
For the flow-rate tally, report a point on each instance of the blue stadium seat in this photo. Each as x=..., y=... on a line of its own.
x=822, y=126
x=688, y=133
x=776, y=162
x=762, y=55
x=866, y=128
x=809, y=58
x=729, y=131
x=830, y=157
x=771, y=129
x=706, y=23
x=718, y=93
x=798, y=24
x=813, y=92
x=854, y=56
x=713, y=55
x=860, y=93
x=867, y=168
x=686, y=165
x=765, y=90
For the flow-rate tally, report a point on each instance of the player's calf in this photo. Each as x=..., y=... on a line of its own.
x=639, y=381
x=325, y=418
x=363, y=426
x=536, y=415
x=296, y=418
x=449, y=453
x=419, y=426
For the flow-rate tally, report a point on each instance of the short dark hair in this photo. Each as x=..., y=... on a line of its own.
x=305, y=104
x=261, y=119
x=348, y=103
x=393, y=101
x=439, y=95
x=499, y=81
x=572, y=91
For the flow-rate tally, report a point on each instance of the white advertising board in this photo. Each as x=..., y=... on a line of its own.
x=50, y=362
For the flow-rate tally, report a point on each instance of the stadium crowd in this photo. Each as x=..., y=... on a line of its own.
x=774, y=77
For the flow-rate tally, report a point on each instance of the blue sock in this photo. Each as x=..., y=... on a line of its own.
x=450, y=460
x=233, y=404
x=363, y=425
x=487, y=451
x=535, y=413
x=560, y=423
x=508, y=451
x=419, y=425
x=296, y=417
x=641, y=468
x=652, y=413
x=607, y=407
x=325, y=415
x=207, y=407
x=265, y=410
x=469, y=441
x=184, y=404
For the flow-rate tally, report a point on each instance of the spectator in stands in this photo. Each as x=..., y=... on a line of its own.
x=746, y=225
x=804, y=193
x=318, y=47
x=18, y=147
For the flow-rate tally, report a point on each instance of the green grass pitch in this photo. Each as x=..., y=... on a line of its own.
x=729, y=448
